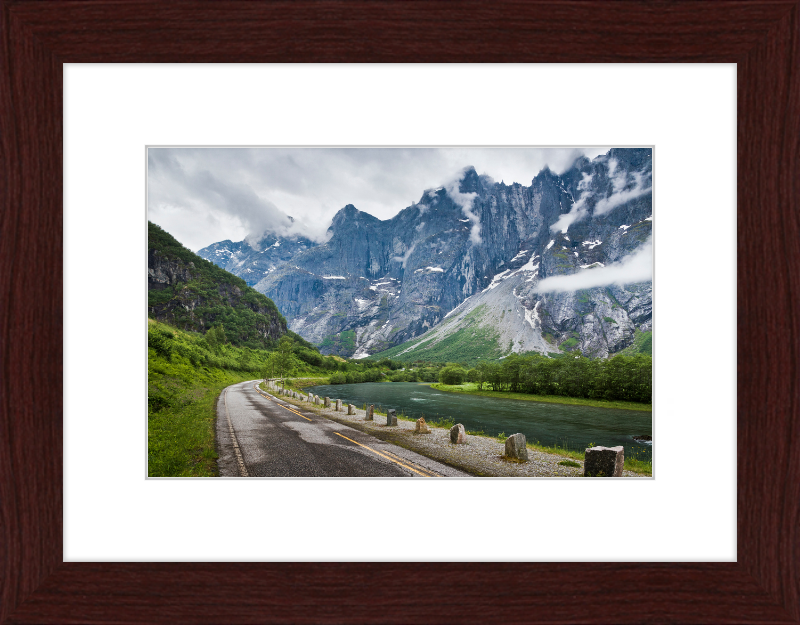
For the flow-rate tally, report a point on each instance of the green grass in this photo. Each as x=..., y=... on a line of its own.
x=638, y=464
x=298, y=384
x=569, y=463
x=471, y=388
x=556, y=450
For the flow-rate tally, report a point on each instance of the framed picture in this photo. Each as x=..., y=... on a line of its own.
x=38, y=586
x=533, y=279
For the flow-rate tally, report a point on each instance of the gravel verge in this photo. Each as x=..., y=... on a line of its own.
x=481, y=455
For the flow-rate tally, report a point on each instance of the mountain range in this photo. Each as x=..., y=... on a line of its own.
x=474, y=269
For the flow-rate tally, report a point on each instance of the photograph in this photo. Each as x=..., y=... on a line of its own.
x=359, y=312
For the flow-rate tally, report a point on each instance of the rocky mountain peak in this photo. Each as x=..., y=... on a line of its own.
x=471, y=182
x=545, y=174
x=349, y=218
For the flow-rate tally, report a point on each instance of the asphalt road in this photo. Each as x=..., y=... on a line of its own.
x=273, y=438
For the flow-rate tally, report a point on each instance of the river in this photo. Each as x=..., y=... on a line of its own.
x=573, y=427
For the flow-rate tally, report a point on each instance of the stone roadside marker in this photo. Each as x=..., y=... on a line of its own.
x=327, y=402
x=391, y=417
x=370, y=413
x=458, y=436
x=422, y=427
x=338, y=405
x=351, y=409
x=604, y=461
x=516, y=447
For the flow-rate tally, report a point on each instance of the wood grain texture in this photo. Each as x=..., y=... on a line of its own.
x=39, y=36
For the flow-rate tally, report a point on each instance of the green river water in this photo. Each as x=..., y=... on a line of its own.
x=573, y=427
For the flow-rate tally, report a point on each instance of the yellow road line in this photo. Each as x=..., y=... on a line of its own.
x=281, y=405
x=423, y=469
x=382, y=455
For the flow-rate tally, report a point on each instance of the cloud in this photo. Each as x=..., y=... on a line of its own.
x=465, y=201
x=579, y=209
x=404, y=257
x=312, y=184
x=620, y=179
x=637, y=267
x=619, y=195
x=173, y=183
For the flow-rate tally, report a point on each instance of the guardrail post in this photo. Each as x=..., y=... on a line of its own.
x=517, y=447
x=604, y=461
x=458, y=435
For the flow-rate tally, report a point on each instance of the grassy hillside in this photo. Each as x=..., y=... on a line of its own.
x=642, y=344
x=470, y=345
x=194, y=294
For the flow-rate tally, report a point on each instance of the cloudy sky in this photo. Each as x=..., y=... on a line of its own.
x=205, y=195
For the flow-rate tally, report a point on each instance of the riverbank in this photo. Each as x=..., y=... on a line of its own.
x=298, y=384
x=471, y=388
x=481, y=456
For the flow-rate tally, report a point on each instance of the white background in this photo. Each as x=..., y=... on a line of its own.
x=687, y=513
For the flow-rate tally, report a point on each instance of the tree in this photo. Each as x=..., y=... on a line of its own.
x=285, y=355
x=482, y=374
x=511, y=368
x=211, y=339
x=452, y=375
x=269, y=369
x=221, y=338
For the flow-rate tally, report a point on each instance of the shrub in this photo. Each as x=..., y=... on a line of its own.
x=452, y=375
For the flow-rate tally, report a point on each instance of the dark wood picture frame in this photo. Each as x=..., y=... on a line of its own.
x=36, y=586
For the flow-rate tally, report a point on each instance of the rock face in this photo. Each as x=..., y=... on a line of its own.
x=252, y=260
x=458, y=436
x=422, y=426
x=604, y=461
x=163, y=271
x=516, y=447
x=391, y=417
x=470, y=257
